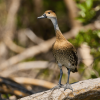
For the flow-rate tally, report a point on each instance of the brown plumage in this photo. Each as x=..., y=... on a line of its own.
x=63, y=51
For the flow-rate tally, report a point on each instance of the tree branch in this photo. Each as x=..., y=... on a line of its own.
x=83, y=90
x=32, y=81
x=10, y=27
x=73, y=12
x=24, y=66
x=32, y=36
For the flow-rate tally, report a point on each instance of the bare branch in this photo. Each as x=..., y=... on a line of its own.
x=35, y=65
x=12, y=46
x=32, y=81
x=11, y=18
x=24, y=66
x=31, y=35
x=10, y=27
x=87, y=89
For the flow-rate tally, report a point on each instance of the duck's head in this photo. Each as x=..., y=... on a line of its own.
x=48, y=14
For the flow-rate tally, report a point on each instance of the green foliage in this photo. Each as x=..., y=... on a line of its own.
x=86, y=12
x=81, y=69
x=92, y=38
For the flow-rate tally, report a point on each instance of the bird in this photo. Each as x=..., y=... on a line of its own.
x=64, y=52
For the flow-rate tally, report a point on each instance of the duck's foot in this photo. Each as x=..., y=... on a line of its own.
x=57, y=87
x=67, y=86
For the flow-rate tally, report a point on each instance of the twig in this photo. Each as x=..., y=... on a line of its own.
x=42, y=65
x=31, y=35
x=31, y=81
x=24, y=66
x=12, y=46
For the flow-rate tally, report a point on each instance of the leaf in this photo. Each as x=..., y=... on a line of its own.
x=83, y=14
x=81, y=19
x=82, y=7
x=89, y=4
x=98, y=34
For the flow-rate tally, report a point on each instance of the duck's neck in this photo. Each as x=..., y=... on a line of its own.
x=59, y=35
x=55, y=24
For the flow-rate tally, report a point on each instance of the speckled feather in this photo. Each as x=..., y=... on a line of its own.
x=64, y=52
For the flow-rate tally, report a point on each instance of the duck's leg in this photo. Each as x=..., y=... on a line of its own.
x=59, y=84
x=61, y=73
x=67, y=85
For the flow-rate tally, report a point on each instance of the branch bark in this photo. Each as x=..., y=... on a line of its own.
x=83, y=90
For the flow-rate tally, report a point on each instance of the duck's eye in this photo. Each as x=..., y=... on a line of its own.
x=48, y=12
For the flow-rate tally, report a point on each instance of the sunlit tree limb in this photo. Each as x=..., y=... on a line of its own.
x=83, y=90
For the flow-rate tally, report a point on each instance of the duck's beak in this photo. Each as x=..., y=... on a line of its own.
x=43, y=16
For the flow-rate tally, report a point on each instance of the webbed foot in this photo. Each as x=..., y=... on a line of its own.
x=57, y=87
x=67, y=86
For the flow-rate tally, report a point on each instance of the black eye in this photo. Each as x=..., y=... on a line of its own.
x=48, y=12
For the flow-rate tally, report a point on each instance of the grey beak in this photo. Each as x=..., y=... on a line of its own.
x=43, y=16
